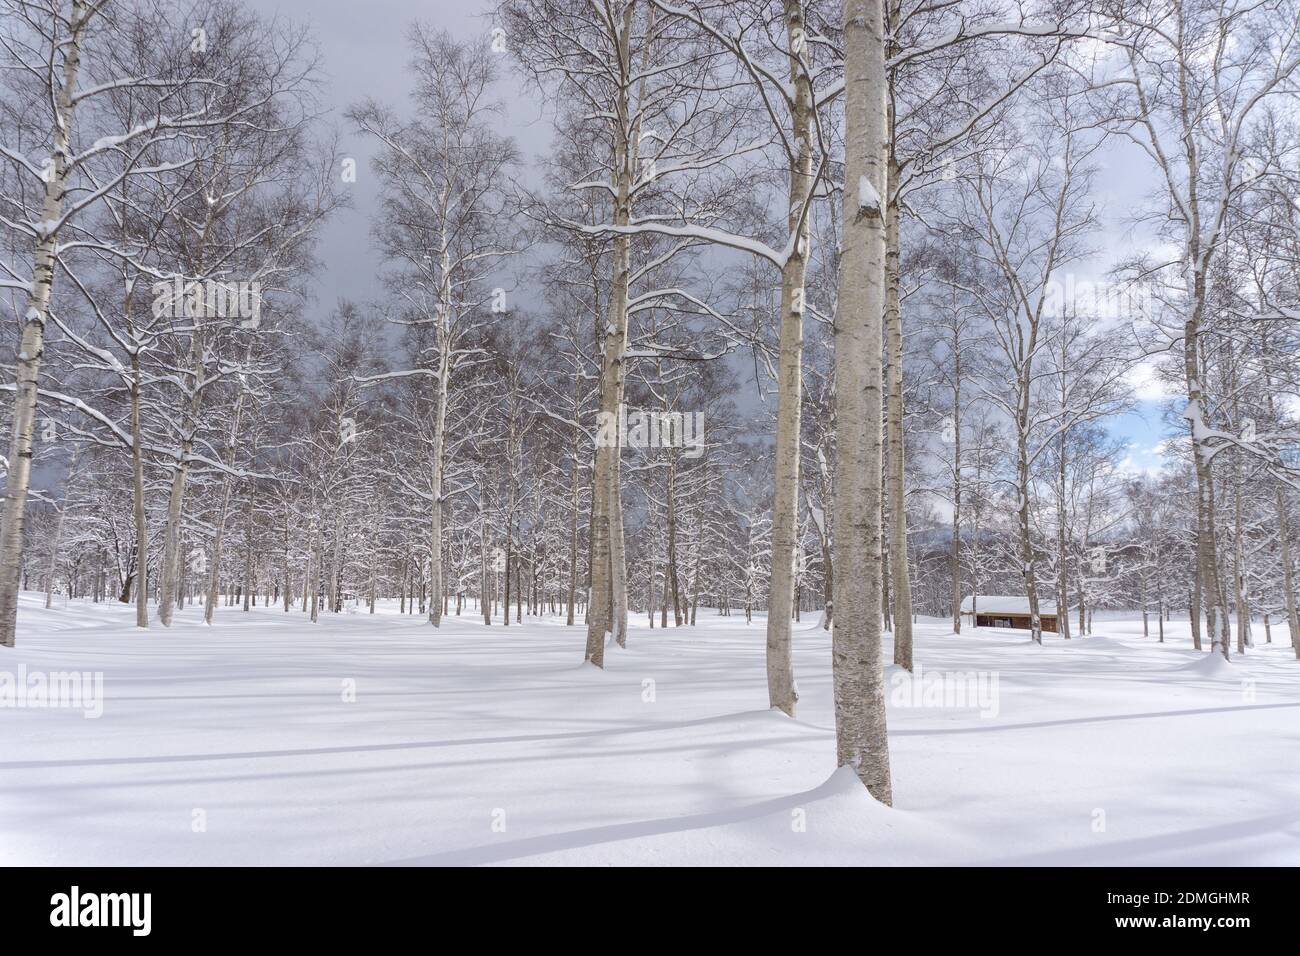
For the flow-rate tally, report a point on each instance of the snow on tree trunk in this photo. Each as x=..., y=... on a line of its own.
x=436, y=459
x=574, y=500
x=32, y=342
x=1025, y=523
x=781, y=690
x=173, y=561
x=1288, y=580
x=606, y=613
x=858, y=676
x=955, y=556
x=214, y=572
x=137, y=496
x=53, y=565
x=673, y=582
x=1207, y=558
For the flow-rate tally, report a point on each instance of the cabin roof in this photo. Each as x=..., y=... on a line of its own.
x=1005, y=604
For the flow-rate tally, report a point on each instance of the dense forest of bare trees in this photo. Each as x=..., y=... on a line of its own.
x=811, y=310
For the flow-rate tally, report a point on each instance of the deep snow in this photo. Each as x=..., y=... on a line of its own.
x=494, y=745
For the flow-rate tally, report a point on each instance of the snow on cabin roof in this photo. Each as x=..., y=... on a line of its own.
x=1006, y=604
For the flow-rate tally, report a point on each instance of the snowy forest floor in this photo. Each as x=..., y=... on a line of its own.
x=472, y=745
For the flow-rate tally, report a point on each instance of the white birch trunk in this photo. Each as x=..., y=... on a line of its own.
x=858, y=676
x=956, y=484
x=58, y=529
x=214, y=575
x=781, y=691
x=172, y=560
x=603, y=613
x=897, y=518
x=137, y=497
x=32, y=342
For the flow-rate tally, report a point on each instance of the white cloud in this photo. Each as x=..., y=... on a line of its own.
x=1131, y=466
x=1147, y=385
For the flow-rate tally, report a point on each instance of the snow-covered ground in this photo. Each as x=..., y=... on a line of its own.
x=237, y=744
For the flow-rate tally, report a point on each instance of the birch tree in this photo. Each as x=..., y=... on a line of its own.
x=1190, y=78
x=48, y=40
x=858, y=676
x=1029, y=205
x=442, y=175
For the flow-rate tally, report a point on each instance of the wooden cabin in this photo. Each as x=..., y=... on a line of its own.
x=993, y=610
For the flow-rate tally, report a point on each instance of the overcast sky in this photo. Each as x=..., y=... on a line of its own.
x=364, y=54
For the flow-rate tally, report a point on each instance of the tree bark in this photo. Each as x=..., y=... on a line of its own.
x=1027, y=567
x=313, y=570
x=600, y=608
x=172, y=559
x=58, y=529
x=781, y=691
x=1207, y=560
x=214, y=575
x=858, y=678
x=956, y=482
x=249, y=594
x=573, y=532
x=898, y=571
x=1288, y=581
x=672, y=544
x=32, y=343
